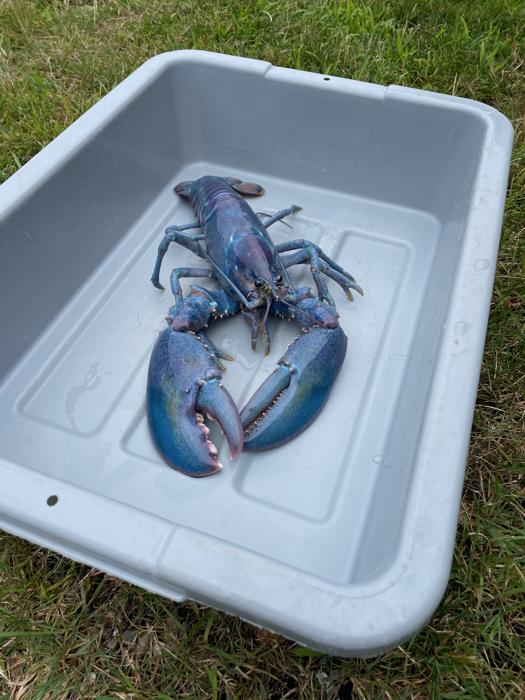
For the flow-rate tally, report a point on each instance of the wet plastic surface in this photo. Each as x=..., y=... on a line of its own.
x=343, y=538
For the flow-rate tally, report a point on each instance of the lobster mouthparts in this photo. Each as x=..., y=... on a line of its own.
x=294, y=394
x=184, y=386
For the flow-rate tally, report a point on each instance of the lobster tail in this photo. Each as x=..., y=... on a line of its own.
x=184, y=188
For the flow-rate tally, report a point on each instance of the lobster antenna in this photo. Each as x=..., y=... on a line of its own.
x=288, y=280
x=268, y=304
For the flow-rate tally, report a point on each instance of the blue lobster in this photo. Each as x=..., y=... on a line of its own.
x=184, y=380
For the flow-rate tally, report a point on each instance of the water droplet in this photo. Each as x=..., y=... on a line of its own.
x=460, y=328
x=378, y=459
x=481, y=264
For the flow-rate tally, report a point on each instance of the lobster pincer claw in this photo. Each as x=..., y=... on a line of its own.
x=294, y=394
x=184, y=386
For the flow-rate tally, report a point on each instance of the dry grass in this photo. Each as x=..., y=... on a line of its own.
x=70, y=632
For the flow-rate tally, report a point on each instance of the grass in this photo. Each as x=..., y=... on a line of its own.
x=70, y=632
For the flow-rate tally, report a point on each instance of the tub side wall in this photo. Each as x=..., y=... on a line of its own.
x=451, y=203
x=52, y=241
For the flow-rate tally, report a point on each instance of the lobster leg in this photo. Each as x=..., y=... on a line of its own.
x=223, y=306
x=280, y=215
x=301, y=257
x=341, y=280
x=226, y=306
x=215, y=351
x=309, y=255
x=301, y=243
x=185, y=227
x=173, y=234
x=179, y=272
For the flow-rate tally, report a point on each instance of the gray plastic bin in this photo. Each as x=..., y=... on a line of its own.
x=343, y=538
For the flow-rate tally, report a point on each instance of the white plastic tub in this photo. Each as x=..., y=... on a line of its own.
x=343, y=538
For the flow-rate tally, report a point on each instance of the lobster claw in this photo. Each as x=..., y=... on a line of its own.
x=294, y=394
x=184, y=384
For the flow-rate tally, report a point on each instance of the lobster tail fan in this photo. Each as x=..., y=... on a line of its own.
x=247, y=189
x=183, y=188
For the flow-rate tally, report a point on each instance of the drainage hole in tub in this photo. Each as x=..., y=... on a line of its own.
x=326, y=78
x=52, y=500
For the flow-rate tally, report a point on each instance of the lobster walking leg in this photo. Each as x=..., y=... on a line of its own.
x=279, y=215
x=186, y=227
x=341, y=280
x=302, y=243
x=174, y=234
x=179, y=272
x=309, y=255
x=215, y=351
x=301, y=257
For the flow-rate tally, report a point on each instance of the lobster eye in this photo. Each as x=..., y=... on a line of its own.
x=259, y=282
x=279, y=278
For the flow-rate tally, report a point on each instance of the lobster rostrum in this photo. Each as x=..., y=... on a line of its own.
x=185, y=380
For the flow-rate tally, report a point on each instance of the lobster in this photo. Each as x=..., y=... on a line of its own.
x=184, y=377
